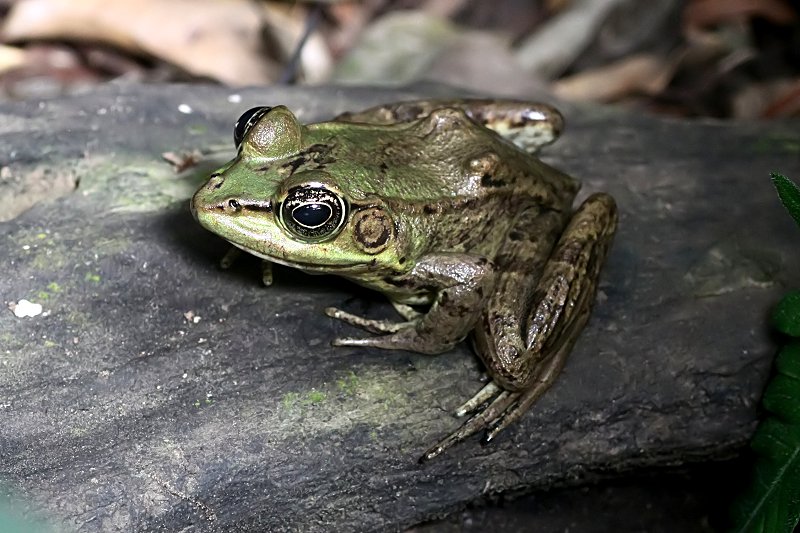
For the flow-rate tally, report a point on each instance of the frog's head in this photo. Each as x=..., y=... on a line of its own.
x=307, y=218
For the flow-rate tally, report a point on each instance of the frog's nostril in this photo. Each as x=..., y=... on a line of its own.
x=215, y=181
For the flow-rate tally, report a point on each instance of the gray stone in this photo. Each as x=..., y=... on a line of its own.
x=120, y=413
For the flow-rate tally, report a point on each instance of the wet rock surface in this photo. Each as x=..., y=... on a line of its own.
x=157, y=392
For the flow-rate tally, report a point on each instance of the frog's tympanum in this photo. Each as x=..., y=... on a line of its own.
x=441, y=206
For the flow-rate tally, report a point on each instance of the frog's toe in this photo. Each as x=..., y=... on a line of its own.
x=231, y=255
x=266, y=272
x=385, y=342
x=406, y=311
x=405, y=338
x=525, y=400
x=367, y=342
x=479, y=399
x=234, y=253
x=480, y=421
x=373, y=326
x=350, y=341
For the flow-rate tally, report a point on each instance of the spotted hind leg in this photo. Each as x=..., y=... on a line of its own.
x=525, y=356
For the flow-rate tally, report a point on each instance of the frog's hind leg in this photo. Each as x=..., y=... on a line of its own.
x=506, y=408
x=525, y=351
x=559, y=309
x=546, y=374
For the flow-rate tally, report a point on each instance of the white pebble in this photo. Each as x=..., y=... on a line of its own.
x=24, y=308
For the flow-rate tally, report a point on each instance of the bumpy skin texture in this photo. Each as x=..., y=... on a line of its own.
x=429, y=203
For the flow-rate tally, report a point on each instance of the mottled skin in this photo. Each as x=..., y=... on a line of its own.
x=428, y=205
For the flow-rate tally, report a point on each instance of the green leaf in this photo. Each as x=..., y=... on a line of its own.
x=772, y=503
x=786, y=317
x=789, y=193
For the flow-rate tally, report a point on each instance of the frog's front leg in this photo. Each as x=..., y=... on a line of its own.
x=524, y=352
x=461, y=283
x=411, y=315
x=233, y=254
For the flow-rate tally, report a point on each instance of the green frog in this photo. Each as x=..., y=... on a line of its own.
x=442, y=206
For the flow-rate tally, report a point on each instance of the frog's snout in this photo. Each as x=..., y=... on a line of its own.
x=193, y=205
x=204, y=197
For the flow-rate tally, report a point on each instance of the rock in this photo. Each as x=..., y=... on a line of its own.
x=156, y=392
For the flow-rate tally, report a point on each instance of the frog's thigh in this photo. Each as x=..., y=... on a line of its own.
x=529, y=352
x=498, y=336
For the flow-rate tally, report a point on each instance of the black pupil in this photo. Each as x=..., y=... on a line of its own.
x=242, y=125
x=312, y=215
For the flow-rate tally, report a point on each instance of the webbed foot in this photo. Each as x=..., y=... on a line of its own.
x=503, y=409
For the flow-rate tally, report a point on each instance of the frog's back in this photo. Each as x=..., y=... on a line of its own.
x=454, y=185
x=444, y=157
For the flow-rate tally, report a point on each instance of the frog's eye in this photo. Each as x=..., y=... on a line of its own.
x=313, y=213
x=247, y=119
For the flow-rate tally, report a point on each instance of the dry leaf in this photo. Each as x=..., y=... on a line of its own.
x=704, y=13
x=443, y=8
x=11, y=57
x=287, y=28
x=787, y=104
x=484, y=62
x=395, y=49
x=549, y=51
x=220, y=40
x=636, y=74
x=554, y=6
x=350, y=19
x=181, y=161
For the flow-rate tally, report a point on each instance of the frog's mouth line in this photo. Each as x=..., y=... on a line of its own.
x=314, y=267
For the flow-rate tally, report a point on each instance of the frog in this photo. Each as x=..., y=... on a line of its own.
x=442, y=205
